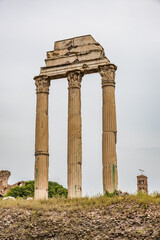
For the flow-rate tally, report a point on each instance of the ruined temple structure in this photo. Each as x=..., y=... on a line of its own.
x=142, y=183
x=4, y=187
x=4, y=176
x=72, y=59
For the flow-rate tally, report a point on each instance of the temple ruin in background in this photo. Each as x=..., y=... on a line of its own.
x=72, y=59
x=4, y=187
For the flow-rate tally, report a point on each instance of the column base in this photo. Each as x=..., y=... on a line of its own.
x=74, y=193
x=110, y=183
x=41, y=194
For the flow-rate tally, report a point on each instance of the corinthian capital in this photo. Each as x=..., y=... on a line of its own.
x=74, y=79
x=107, y=73
x=42, y=84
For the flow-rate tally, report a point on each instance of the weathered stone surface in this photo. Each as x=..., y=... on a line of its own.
x=74, y=135
x=109, y=158
x=41, y=141
x=121, y=193
x=74, y=51
x=74, y=42
x=80, y=53
x=4, y=176
x=19, y=183
x=72, y=58
x=61, y=71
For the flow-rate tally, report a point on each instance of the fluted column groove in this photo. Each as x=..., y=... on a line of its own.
x=41, y=139
x=109, y=158
x=74, y=135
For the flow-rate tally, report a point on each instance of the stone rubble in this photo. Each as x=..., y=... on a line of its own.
x=123, y=220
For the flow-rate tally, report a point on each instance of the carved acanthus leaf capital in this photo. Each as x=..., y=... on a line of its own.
x=42, y=84
x=74, y=79
x=107, y=73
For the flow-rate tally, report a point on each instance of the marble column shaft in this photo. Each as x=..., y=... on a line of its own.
x=74, y=135
x=109, y=158
x=41, y=140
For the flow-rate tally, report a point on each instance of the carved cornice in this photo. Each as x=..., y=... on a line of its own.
x=42, y=84
x=108, y=75
x=74, y=79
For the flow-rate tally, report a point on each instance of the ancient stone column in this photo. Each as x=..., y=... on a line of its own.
x=74, y=135
x=109, y=158
x=41, y=140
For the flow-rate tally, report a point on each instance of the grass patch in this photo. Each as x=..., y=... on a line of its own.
x=65, y=204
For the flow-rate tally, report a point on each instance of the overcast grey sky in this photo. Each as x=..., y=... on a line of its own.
x=129, y=31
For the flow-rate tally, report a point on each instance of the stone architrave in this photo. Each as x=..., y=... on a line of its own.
x=72, y=58
x=109, y=158
x=74, y=135
x=41, y=140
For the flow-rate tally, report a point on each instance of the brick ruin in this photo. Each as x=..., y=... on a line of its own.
x=142, y=183
x=4, y=187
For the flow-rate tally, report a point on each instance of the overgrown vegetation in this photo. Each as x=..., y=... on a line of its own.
x=54, y=190
x=87, y=203
x=107, y=194
x=118, y=217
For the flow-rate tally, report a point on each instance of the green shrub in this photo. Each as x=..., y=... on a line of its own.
x=54, y=190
